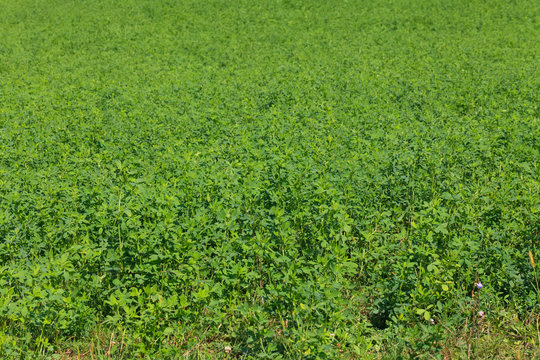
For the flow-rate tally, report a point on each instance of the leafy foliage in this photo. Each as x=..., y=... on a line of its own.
x=287, y=179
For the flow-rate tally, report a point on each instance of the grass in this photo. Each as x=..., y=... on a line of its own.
x=290, y=179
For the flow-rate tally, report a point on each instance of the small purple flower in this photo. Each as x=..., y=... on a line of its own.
x=479, y=285
x=481, y=314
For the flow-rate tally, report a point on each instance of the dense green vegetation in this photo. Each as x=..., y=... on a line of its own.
x=269, y=179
